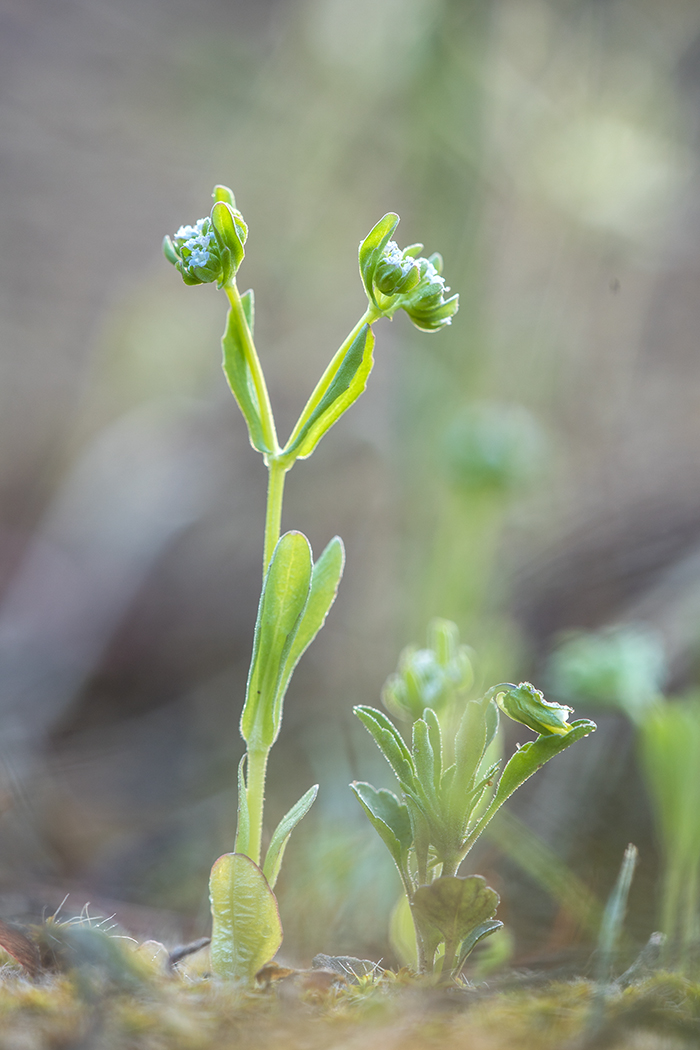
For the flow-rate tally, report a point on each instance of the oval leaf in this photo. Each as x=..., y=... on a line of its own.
x=246, y=929
x=282, y=603
x=455, y=906
x=280, y=838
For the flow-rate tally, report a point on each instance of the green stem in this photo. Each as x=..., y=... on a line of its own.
x=273, y=514
x=257, y=766
x=266, y=418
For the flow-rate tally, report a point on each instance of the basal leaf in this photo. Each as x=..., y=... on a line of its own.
x=455, y=906
x=343, y=386
x=472, y=939
x=390, y=819
x=282, y=833
x=246, y=927
x=282, y=604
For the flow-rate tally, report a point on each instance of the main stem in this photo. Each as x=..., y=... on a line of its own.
x=273, y=513
x=256, y=769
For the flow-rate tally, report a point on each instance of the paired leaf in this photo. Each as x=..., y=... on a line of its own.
x=282, y=604
x=283, y=831
x=238, y=373
x=242, y=843
x=246, y=927
x=390, y=819
x=390, y=743
x=340, y=386
x=325, y=579
x=455, y=906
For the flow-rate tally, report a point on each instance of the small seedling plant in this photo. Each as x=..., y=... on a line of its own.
x=297, y=592
x=450, y=787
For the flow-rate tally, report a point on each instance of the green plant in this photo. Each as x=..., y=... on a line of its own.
x=625, y=668
x=450, y=787
x=297, y=593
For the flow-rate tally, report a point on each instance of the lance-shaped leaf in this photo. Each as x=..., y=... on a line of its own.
x=282, y=603
x=470, y=744
x=242, y=843
x=390, y=743
x=248, y=304
x=371, y=250
x=526, y=761
x=234, y=345
x=472, y=939
x=246, y=928
x=390, y=820
x=325, y=578
x=425, y=762
x=339, y=387
x=435, y=734
x=282, y=833
x=455, y=907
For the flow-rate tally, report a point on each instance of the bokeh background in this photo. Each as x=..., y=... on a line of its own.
x=531, y=471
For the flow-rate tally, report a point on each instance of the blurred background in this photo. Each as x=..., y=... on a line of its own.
x=530, y=472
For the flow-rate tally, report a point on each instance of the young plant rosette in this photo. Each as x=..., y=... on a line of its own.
x=450, y=788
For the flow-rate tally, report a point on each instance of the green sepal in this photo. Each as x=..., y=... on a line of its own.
x=371, y=250
x=246, y=929
x=390, y=819
x=472, y=939
x=248, y=304
x=223, y=193
x=340, y=387
x=240, y=378
x=526, y=761
x=455, y=907
x=169, y=251
x=282, y=833
x=325, y=579
x=231, y=231
x=282, y=604
x=390, y=743
x=242, y=840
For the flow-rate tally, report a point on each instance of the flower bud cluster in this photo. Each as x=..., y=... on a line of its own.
x=429, y=677
x=212, y=249
x=396, y=279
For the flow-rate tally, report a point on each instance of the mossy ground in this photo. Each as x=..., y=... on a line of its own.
x=142, y=1009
